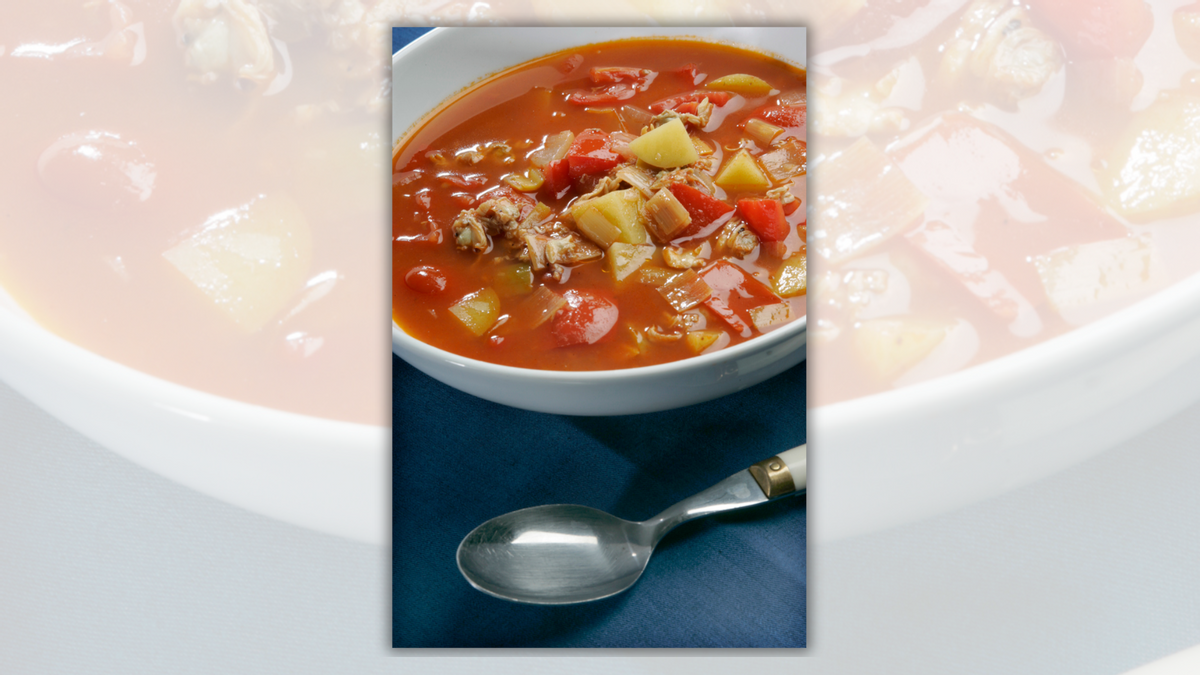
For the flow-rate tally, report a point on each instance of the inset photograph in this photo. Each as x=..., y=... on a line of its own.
x=599, y=284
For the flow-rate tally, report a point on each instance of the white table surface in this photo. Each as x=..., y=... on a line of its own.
x=108, y=568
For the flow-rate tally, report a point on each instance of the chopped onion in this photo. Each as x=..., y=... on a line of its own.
x=637, y=177
x=633, y=119
x=666, y=217
x=620, y=144
x=554, y=149
x=685, y=291
x=540, y=307
x=762, y=132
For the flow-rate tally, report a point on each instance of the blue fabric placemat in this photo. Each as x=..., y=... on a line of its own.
x=731, y=580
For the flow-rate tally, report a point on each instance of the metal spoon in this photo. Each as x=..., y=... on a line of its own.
x=562, y=553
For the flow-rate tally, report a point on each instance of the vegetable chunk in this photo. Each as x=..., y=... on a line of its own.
x=666, y=147
x=478, y=311
x=248, y=261
x=1155, y=165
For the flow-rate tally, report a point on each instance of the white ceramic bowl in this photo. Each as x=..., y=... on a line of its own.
x=903, y=455
x=325, y=475
x=442, y=62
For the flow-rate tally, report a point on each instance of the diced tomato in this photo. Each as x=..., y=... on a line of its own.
x=570, y=64
x=426, y=279
x=735, y=293
x=585, y=319
x=591, y=153
x=791, y=207
x=1097, y=28
x=793, y=116
x=610, y=94
x=717, y=98
x=557, y=177
x=703, y=208
x=689, y=108
x=611, y=75
x=687, y=71
x=765, y=217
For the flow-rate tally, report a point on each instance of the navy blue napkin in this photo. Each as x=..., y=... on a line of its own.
x=730, y=580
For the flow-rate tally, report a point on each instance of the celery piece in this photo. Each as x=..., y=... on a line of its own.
x=514, y=280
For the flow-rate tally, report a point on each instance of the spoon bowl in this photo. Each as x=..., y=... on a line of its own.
x=565, y=553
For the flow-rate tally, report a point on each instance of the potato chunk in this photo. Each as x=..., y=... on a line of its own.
x=741, y=83
x=743, y=173
x=889, y=347
x=1155, y=165
x=666, y=147
x=249, y=261
x=621, y=208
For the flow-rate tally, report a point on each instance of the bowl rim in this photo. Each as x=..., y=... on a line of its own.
x=1143, y=320
x=403, y=343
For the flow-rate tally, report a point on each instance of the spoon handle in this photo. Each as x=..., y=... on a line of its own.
x=784, y=473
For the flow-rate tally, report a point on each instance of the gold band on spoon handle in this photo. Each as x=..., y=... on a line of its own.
x=774, y=476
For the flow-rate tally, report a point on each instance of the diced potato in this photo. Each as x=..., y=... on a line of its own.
x=1079, y=277
x=666, y=147
x=593, y=225
x=746, y=85
x=249, y=261
x=1155, y=165
x=623, y=209
x=791, y=279
x=742, y=173
x=889, y=347
x=478, y=311
x=699, y=340
x=625, y=259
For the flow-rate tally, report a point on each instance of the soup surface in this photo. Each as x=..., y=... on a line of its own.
x=612, y=206
x=991, y=175
x=192, y=189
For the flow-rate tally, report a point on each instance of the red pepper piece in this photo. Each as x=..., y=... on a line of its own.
x=793, y=116
x=1097, y=28
x=610, y=94
x=717, y=98
x=591, y=153
x=557, y=177
x=612, y=75
x=703, y=208
x=735, y=293
x=765, y=217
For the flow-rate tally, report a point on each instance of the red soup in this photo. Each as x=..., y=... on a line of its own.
x=612, y=206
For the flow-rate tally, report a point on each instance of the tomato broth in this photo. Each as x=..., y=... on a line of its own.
x=494, y=143
x=212, y=222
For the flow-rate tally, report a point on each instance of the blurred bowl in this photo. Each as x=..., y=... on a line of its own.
x=321, y=474
x=440, y=64
x=903, y=455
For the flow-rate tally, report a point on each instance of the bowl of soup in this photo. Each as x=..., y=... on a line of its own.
x=600, y=221
x=192, y=239
x=1004, y=221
